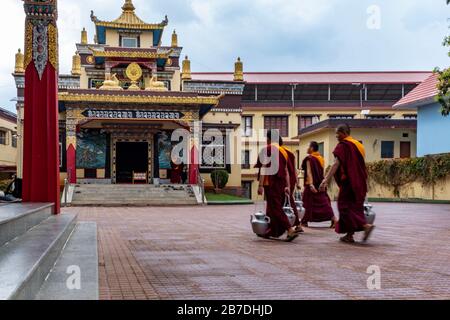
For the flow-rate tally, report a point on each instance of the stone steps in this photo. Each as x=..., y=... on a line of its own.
x=26, y=260
x=32, y=239
x=132, y=195
x=16, y=219
x=75, y=253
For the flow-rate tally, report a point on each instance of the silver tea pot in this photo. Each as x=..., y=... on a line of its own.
x=260, y=223
x=288, y=211
x=369, y=213
x=299, y=204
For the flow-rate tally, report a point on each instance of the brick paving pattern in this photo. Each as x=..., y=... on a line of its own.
x=211, y=253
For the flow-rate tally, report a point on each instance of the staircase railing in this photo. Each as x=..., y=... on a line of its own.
x=66, y=188
x=201, y=186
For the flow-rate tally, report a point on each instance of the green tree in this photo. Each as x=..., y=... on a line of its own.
x=443, y=86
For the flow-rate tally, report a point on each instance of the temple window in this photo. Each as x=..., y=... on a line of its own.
x=410, y=116
x=306, y=121
x=129, y=42
x=342, y=116
x=2, y=137
x=14, y=140
x=387, y=149
x=247, y=126
x=280, y=123
x=246, y=159
x=378, y=116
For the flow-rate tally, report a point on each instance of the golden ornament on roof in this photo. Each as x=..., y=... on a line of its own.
x=134, y=73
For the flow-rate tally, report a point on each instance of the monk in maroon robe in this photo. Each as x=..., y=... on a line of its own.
x=293, y=181
x=275, y=184
x=350, y=174
x=317, y=203
x=176, y=172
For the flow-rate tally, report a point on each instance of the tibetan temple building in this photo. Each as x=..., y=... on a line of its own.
x=127, y=93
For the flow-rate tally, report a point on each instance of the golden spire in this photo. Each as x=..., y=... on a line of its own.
x=174, y=39
x=238, y=70
x=84, y=37
x=19, y=68
x=186, y=72
x=76, y=65
x=128, y=6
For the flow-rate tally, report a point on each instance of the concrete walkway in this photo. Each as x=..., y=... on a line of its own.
x=210, y=253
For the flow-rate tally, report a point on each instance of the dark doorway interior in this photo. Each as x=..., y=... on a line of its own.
x=130, y=156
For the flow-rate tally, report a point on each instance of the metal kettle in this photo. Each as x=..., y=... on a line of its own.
x=299, y=204
x=288, y=211
x=369, y=213
x=260, y=223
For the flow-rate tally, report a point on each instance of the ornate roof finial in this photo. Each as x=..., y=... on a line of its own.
x=186, y=71
x=128, y=6
x=238, y=70
x=19, y=68
x=84, y=37
x=174, y=39
x=76, y=64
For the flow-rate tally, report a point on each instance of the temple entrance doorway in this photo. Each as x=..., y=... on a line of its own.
x=132, y=158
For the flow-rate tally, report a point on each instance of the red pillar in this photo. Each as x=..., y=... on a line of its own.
x=41, y=142
x=193, y=166
x=71, y=164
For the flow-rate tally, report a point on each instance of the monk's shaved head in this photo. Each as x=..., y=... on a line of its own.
x=344, y=128
x=342, y=131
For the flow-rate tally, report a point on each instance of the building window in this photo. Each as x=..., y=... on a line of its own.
x=3, y=137
x=321, y=149
x=410, y=116
x=342, y=116
x=387, y=149
x=247, y=189
x=378, y=116
x=247, y=126
x=279, y=123
x=14, y=140
x=306, y=121
x=213, y=152
x=246, y=159
x=128, y=42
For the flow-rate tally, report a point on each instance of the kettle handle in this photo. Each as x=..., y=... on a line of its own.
x=287, y=201
x=268, y=219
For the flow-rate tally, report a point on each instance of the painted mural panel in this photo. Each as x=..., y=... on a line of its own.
x=91, y=149
x=165, y=149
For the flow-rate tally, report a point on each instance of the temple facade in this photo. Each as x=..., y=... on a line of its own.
x=127, y=93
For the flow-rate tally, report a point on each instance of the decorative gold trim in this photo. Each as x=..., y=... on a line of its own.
x=53, y=46
x=28, y=45
x=84, y=97
x=130, y=54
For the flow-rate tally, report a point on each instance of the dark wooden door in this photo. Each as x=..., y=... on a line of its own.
x=405, y=149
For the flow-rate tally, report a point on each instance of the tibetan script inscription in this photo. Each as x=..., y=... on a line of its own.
x=133, y=114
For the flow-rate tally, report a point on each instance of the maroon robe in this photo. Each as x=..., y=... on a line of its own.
x=274, y=190
x=351, y=178
x=293, y=183
x=317, y=205
x=175, y=173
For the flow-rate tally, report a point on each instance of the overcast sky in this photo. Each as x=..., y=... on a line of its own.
x=269, y=35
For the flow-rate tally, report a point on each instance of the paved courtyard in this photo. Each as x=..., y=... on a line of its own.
x=211, y=253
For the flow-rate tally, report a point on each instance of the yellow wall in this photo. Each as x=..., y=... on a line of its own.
x=368, y=136
x=415, y=190
x=8, y=154
x=371, y=138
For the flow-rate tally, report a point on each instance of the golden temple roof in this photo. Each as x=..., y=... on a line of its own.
x=129, y=20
